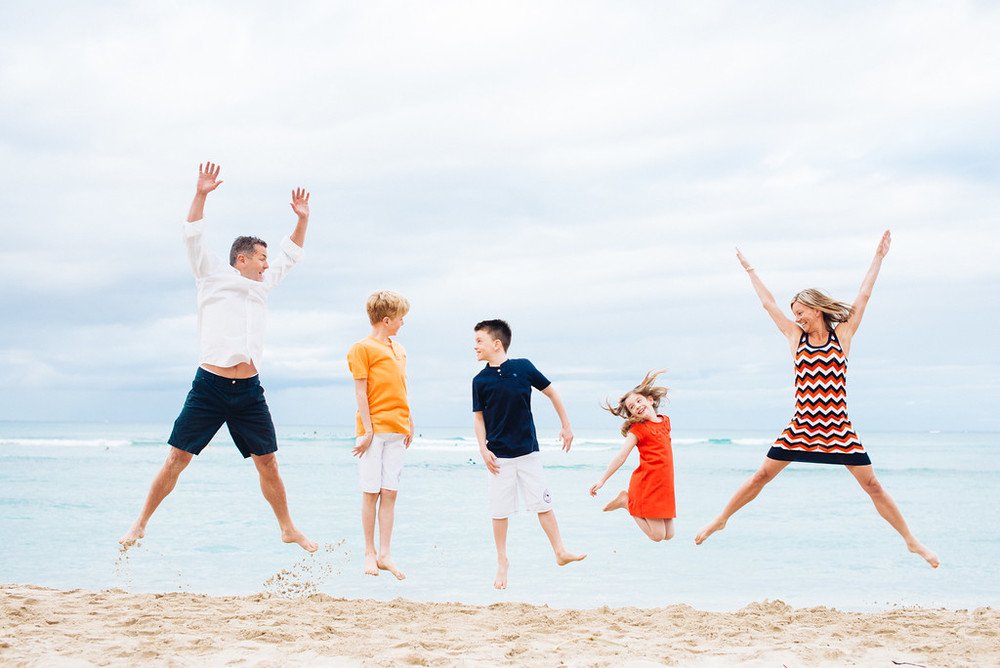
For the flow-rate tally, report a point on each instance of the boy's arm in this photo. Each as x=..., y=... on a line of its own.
x=361, y=394
x=479, y=426
x=616, y=462
x=566, y=433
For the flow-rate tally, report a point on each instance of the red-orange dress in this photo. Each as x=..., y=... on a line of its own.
x=651, y=489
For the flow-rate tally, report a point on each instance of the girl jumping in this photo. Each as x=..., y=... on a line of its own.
x=650, y=495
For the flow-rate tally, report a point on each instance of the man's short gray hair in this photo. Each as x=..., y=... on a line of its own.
x=245, y=246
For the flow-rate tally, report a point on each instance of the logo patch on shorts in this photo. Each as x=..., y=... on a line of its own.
x=547, y=496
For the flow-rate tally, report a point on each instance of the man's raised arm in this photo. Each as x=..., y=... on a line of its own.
x=208, y=180
x=300, y=205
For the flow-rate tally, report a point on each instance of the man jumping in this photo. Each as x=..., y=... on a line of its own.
x=232, y=310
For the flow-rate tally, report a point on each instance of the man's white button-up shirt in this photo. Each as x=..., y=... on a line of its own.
x=232, y=310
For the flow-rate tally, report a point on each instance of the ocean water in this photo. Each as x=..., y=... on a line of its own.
x=68, y=492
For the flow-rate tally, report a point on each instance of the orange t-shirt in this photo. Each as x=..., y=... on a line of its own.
x=383, y=365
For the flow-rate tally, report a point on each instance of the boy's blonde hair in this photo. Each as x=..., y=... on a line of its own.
x=647, y=389
x=834, y=312
x=386, y=304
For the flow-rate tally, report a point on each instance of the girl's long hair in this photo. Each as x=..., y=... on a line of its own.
x=834, y=312
x=646, y=388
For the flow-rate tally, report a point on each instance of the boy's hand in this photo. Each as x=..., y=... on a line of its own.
x=566, y=435
x=409, y=436
x=596, y=486
x=492, y=465
x=364, y=443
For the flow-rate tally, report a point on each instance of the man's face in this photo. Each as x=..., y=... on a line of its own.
x=253, y=266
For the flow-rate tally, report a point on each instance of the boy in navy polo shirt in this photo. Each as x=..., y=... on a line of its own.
x=501, y=404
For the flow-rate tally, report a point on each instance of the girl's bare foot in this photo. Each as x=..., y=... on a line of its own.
x=563, y=558
x=917, y=548
x=501, y=580
x=371, y=564
x=386, y=564
x=717, y=525
x=299, y=538
x=620, y=501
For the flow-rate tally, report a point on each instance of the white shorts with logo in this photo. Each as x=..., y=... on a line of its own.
x=382, y=463
x=518, y=473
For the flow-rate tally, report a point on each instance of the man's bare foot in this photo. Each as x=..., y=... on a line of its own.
x=132, y=536
x=371, y=564
x=501, y=580
x=917, y=548
x=717, y=525
x=563, y=558
x=620, y=501
x=386, y=564
x=299, y=538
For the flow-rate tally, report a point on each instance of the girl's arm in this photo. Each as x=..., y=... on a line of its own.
x=847, y=329
x=616, y=462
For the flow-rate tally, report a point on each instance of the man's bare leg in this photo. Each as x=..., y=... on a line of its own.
x=500, y=538
x=274, y=491
x=890, y=512
x=551, y=529
x=369, y=501
x=386, y=517
x=747, y=492
x=163, y=484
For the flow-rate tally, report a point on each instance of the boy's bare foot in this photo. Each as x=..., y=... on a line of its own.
x=501, y=579
x=132, y=536
x=563, y=558
x=299, y=538
x=620, y=501
x=371, y=564
x=717, y=525
x=387, y=564
x=930, y=557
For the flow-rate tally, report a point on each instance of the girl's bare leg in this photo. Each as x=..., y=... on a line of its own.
x=747, y=492
x=656, y=529
x=620, y=501
x=889, y=511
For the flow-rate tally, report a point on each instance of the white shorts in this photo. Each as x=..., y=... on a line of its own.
x=524, y=473
x=382, y=463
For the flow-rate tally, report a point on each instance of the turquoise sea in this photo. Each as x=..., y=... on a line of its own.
x=68, y=491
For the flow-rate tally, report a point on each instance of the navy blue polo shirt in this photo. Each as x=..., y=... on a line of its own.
x=503, y=394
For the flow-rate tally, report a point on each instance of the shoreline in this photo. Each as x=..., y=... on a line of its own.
x=113, y=626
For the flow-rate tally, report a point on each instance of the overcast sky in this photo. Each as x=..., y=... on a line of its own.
x=582, y=169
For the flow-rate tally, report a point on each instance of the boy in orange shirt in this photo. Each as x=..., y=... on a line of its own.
x=384, y=425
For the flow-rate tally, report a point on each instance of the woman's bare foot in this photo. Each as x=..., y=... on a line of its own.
x=501, y=580
x=929, y=557
x=620, y=501
x=563, y=558
x=299, y=538
x=132, y=536
x=371, y=564
x=386, y=564
x=717, y=525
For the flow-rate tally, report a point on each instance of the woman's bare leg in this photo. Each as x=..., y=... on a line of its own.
x=747, y=492
x=889, y=511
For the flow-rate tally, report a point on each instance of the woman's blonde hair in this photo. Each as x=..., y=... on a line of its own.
x=386, y=304
x=834, y=312
x=646, y=388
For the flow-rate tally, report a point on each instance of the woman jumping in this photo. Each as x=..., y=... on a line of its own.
x=820, y=431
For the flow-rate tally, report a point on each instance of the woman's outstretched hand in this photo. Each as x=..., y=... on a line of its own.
x=883, y=245
x=743, y=260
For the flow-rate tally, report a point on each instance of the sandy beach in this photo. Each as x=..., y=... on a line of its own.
x=40, y=626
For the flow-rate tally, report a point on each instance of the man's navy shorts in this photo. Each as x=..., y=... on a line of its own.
x=214, y=400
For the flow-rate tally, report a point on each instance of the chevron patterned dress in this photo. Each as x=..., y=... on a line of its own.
x=820, y=431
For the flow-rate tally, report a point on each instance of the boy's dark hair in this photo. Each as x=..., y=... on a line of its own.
x=245, y=246
x=497, y=329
